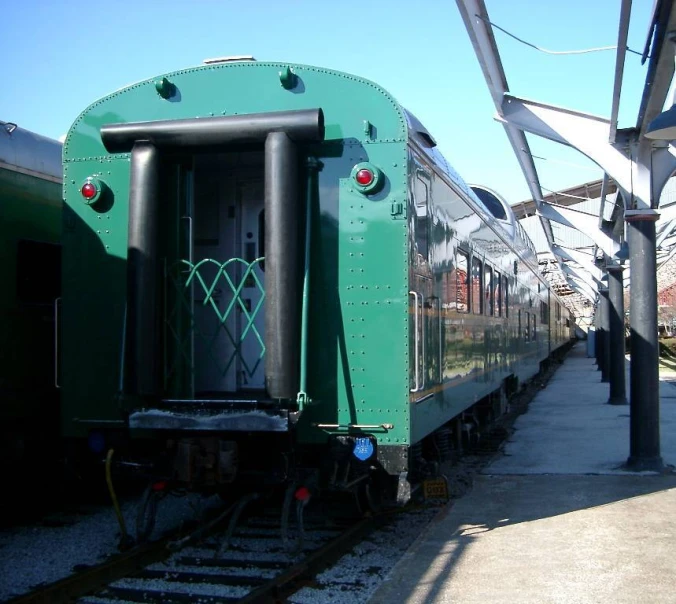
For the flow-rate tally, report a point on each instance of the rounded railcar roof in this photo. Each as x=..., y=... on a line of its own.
x=24, y=151
x=349, y=103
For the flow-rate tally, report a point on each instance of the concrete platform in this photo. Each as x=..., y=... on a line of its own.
x=555, y=518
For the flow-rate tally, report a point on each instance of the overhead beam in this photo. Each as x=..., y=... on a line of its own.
x=584, y=260
x=585, y=223
x=630, y=163
x=475, y=17
x=582, y=276
x=620, y=57
x=660, y=65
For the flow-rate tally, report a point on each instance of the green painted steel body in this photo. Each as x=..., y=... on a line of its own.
x=358, y=307
x=372, y=285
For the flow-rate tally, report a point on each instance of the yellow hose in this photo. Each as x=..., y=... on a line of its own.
x=118, y=512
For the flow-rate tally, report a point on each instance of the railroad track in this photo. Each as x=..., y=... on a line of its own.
x=254, y=559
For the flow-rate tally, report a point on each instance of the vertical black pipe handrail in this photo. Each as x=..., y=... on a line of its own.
x=142, y=316
x=282, y=286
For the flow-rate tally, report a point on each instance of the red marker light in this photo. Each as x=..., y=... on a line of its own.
x=88, y=191
x=367, y=178
x=364, y=177
x=302, y=494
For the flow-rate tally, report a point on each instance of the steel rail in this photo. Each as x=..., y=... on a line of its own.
x=92, y=579
x=133, y=564
x=294, y=578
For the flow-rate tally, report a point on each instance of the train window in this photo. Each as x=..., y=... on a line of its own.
x=534, y=328
x=544, y=312
x=497, y=308
x=488, y=290
x=519, y=319
x=524, y=329
x=477, y=286
x=38, y=272
x=420, y=199
x=460, y=296
x=505, y=289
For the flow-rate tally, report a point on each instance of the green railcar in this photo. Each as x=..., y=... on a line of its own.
x=272, y=266
x=30, y=234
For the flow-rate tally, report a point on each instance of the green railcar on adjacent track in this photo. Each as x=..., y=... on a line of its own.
x=30, y=236
x=272, y=266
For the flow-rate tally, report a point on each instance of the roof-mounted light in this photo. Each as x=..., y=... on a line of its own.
x=230, y=59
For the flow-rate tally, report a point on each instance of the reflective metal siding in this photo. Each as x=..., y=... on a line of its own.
x=26, y=151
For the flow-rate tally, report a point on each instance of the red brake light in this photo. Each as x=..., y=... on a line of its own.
x=364, y=177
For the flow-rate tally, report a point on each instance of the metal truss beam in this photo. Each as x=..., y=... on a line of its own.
x=584, y=260
x=585, y=223
x=582, y=277
x=628, y=162
x=622, y=38
x=475, y=17
x=665, y=231
x=581, y=288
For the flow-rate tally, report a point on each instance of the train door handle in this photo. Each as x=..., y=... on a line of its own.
x=57, y=302
x=416, y=329
x=441, y=347
x=423, y=334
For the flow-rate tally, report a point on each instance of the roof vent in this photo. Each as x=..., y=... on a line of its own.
x=492, y=201
x=232, y=59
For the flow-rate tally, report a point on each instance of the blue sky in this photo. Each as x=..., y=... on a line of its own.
x=62, y=55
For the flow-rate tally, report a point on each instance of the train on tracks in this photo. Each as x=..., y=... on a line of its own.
x=30, y=235
x=271, y=273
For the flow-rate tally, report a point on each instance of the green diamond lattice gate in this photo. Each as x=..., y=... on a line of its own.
x=189, y=286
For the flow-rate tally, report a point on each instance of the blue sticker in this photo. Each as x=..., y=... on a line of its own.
x=363, y=448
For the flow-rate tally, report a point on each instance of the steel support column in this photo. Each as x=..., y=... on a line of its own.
x=644, y=452
x=602, y=334
x=598, y=345
x=618, y=393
